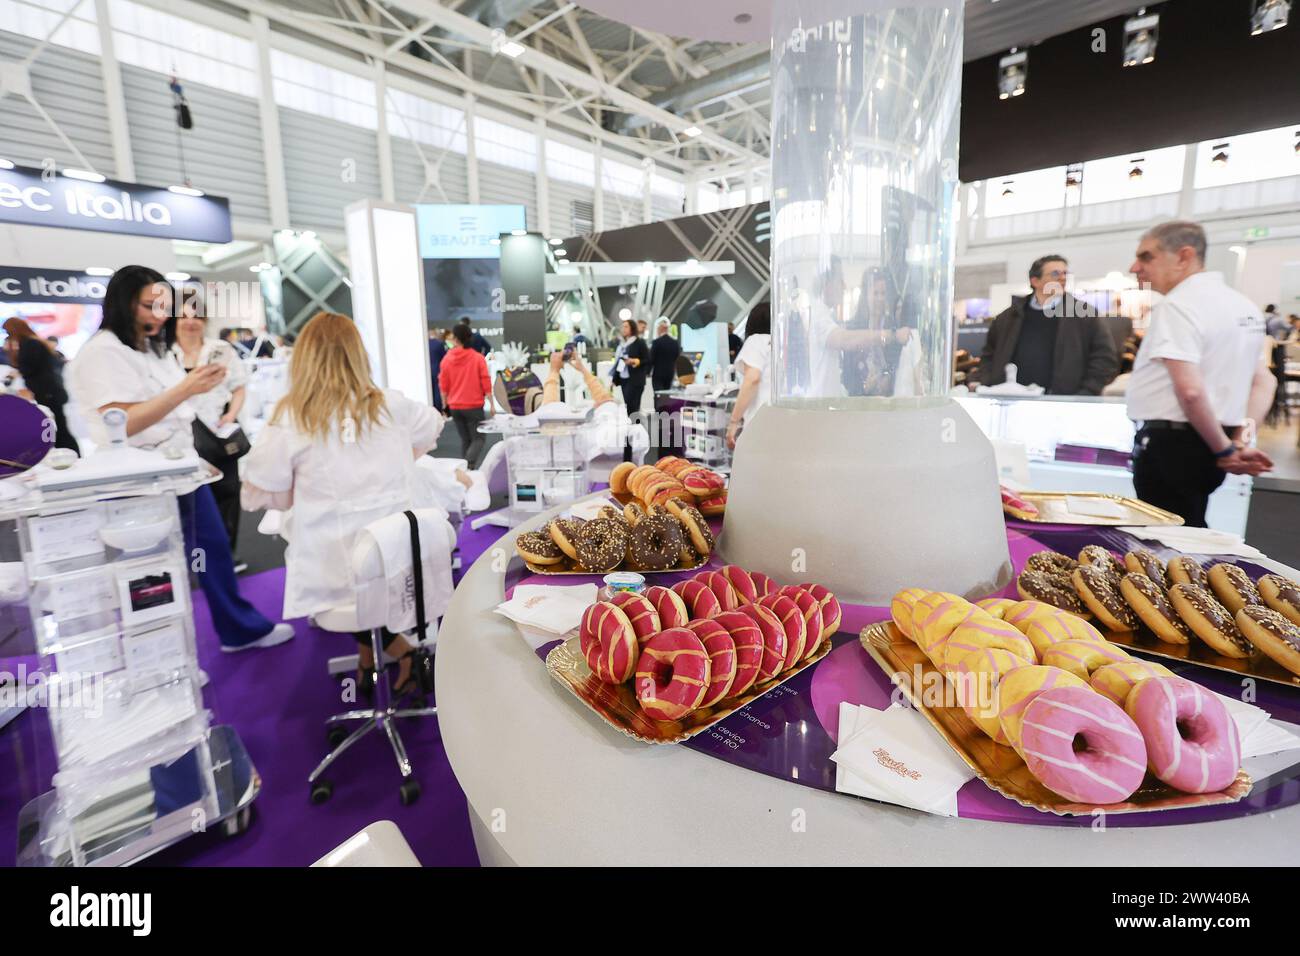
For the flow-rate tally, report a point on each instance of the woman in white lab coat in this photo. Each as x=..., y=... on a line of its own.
x=340, y=452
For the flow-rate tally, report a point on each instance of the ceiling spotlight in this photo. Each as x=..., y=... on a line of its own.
x=1136, y=171
x=1220, y=157
x=254, y=268
x=518, y=232
x=556, y=242
x=1140, y=36
x=691, y=132
x=185, y=191
x=1269, y=15
x=564, y=262
x=1012, y=71
x=1007, y=190
x=625, y=314
x=693, y=263
x=84, y=175
x=177, y=276
x=99, y=271
x=5, y=164
x=513, y=49
x=561, y=253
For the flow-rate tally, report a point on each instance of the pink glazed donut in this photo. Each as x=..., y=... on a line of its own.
x=672, y=674
x=1192, y=741
x=721, y=588
x=1083, y=746
x=742, y=583
x=718, y=642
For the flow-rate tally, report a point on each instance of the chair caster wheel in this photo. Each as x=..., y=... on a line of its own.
x=321, y=791
x=409, y=792
x=336, y=735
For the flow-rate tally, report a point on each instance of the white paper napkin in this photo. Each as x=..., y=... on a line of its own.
x=589, y=509
x=553, y=609
x=894, y=755
x=1269, y=737
x=1094, y=507
x=1197, y=540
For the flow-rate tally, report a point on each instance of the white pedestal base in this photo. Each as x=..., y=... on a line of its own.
x=868, y=502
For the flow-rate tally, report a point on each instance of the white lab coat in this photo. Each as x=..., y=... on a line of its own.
x=211, y=405
x=334, y=489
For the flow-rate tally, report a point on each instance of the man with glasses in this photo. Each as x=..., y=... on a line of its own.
x=1052, y=338
x=1200, y=379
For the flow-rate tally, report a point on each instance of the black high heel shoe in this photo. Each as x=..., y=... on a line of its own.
x=366, y=682
x=419, y=680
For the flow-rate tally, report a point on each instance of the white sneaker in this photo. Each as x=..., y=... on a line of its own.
x=277, y=635
x=204, y=679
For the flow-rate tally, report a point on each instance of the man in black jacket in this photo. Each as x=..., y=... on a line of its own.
x=663, y=357
x=1052, y=338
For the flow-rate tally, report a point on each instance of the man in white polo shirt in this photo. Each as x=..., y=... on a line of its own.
x=1199, y=378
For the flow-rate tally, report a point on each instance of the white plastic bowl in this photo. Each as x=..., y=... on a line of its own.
x=135, y=536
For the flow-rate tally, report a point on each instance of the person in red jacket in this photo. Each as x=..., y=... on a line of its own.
x=465, y=384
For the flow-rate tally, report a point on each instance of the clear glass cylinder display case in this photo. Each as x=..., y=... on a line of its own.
x=866, y=101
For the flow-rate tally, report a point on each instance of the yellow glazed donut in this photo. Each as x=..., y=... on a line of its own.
x=1117, y=681
x=1025, y=611
x=981, y=630
x=977, y=681
x=1018, y=690
x=923, y=607
x=1083, y=658
x=996, y=606
x=900, y=609
x=1043, y=632
x=932, y=624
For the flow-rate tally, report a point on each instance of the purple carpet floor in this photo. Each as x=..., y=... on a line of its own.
x=277, y=699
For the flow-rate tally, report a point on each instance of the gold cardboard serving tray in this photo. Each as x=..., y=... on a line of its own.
x=616, y=704
x=1052, y=510
x=1258, y=665
x=573, y=567
x=1001, y=767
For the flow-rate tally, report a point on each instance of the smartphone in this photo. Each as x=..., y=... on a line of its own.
x=569, y=349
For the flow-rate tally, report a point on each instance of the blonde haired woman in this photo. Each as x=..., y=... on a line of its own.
x=340, y=452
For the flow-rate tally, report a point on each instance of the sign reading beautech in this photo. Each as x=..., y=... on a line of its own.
x=35, y=197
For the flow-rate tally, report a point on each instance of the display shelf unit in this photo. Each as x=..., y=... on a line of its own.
x=703, y=420
x=107, y=591
x=546, y=465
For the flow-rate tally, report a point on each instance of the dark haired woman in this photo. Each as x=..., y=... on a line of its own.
x=42, y=370
x=125, y=365
x=631, y=364
x=752, y=363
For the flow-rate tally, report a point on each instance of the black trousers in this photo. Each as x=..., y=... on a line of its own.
x=363, y=638
x=226, y=491
x=467, y=421
x=1175, y=470
x=632, y=392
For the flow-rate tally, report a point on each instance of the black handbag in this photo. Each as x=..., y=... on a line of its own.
x=219, y=451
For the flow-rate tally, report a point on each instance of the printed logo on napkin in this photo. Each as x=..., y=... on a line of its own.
x=897, y=766
x=899, y=753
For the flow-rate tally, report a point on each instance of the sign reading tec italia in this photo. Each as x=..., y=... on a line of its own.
x=50, y=285
x=34, y=197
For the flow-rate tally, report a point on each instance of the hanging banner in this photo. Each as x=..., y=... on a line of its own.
x=35, y=197
x=50, y=285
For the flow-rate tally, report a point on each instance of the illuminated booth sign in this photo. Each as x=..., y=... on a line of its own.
x=462, y=268
x=35, y=197
x=50, y=285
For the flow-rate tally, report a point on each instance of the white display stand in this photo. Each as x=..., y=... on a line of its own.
x=139, y=766
x=1040, y=424
x=546, y=464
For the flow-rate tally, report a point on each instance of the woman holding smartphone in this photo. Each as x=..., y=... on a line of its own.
x=217, y=409
x=125, y=365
